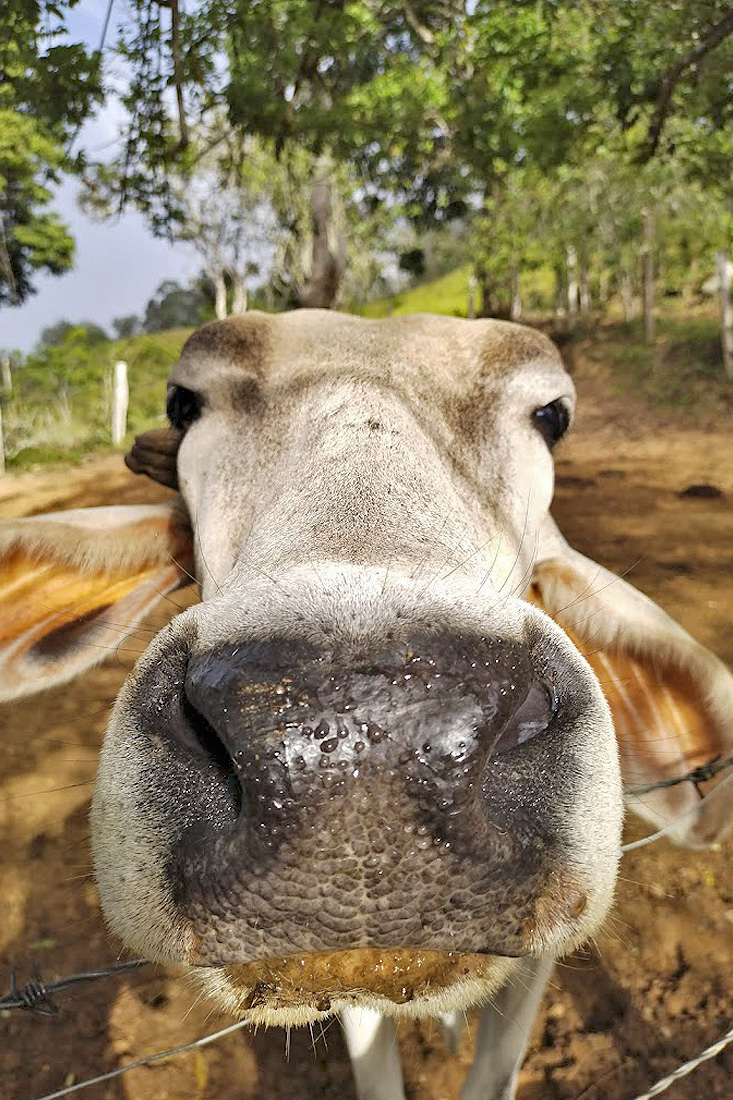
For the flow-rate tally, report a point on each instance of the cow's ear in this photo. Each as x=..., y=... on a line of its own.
x=672, y=699
x=155, y=454
x=74, y=584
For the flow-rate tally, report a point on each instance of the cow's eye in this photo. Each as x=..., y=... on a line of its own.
x=183, y=406
x=552, y=421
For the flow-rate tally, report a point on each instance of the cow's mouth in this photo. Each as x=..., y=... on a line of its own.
x=317, y=980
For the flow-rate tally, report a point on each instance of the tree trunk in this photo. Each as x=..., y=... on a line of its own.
x=2, y=443
x=572, y=265
x=220, y=294
x=486, y=288
x=603, y=286
x=726, y=312
x=327, y=262
x=647, y=266
x=178, y=76
x=515, y=306
x=584, y=288
x=239, y=294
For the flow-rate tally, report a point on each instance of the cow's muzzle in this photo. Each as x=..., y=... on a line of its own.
x=412, y=794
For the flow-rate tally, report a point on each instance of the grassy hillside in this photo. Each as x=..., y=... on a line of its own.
x=683, y=369
x=59, y=407
x=448, y=294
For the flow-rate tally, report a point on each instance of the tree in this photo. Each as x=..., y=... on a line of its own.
x=425, y=109
x=176, y=306
x=224, y=212
x=58, y=333
x=47, y=89
x=125, y=327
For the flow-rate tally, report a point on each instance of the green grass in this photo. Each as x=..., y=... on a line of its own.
x=447, y=294
x=682, y=369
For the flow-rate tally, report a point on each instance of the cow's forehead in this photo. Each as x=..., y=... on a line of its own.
x=282, y=347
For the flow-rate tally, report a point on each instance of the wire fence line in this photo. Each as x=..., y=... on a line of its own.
x=656, y=1090
x=693, y=810
x=697, y=775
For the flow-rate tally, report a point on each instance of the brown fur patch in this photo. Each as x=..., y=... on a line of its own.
x=238, y=341
x=509, y=345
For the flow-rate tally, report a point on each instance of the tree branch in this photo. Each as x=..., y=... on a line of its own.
x=177, y=70
x=422, y=32
x=712, y=38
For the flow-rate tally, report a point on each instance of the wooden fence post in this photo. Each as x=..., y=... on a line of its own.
x=647, y=266
x=572, y=266
x=726, y=312
x=471, y=302
x=120, y=399
x=7, y=377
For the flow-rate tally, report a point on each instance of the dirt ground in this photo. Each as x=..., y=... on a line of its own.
x=655, y=989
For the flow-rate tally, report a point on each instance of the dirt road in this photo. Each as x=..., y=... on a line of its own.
x=655, y=989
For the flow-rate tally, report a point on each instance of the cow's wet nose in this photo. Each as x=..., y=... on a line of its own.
x=300, y=725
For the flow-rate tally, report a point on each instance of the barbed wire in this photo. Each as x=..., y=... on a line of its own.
x=691, y=812
x=697, y=775
x=35, y=996
x=144, y=1062
x=659, y=1087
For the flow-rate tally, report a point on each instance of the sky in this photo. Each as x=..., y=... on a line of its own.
x=118, y=264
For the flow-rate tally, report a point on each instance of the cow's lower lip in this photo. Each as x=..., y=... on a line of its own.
x=318, y=979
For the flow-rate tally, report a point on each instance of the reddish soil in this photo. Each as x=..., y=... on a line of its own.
x=656, y=987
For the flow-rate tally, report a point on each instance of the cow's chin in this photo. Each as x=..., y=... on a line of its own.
x=299, y=989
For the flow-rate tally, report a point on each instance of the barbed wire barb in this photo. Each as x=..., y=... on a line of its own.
x=35, y=996
x=698, y=775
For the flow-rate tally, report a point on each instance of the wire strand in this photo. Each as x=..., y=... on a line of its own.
x=144, y=1062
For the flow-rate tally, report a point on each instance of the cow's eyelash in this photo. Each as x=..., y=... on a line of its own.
x=183, y=406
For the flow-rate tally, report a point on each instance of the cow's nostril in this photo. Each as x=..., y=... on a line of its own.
x=199, y=737
x=532, y=717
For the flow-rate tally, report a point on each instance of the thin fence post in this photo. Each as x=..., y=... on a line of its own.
x=726, y=312
x=2, y=443
x=572, y=266
x=647, y=267
x=120, y=399
x=471, y=302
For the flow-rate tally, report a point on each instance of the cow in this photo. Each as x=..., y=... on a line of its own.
x=378, y=770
